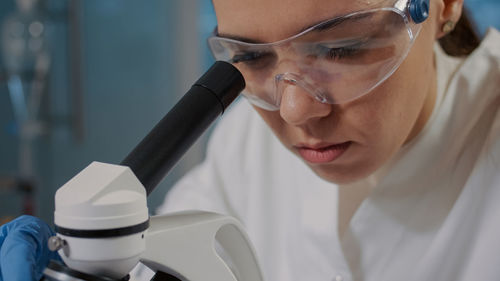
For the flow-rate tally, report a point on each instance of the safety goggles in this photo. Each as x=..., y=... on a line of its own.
x=335, y=61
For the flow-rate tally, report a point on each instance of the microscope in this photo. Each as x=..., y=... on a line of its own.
x=103, y=229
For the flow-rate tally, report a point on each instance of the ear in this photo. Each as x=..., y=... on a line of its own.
x=448, y=10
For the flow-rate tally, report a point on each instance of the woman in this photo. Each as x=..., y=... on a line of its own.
x=363, y=178
x=369, y=153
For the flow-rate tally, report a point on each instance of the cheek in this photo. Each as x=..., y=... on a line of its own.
x=384, y=118
x=374, y=119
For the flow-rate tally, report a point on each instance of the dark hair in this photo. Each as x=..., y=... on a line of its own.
x=462, y=40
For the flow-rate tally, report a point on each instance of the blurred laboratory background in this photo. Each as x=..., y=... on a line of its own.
x=85, y=80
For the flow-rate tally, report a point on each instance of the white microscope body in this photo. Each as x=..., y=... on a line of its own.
x=102, y=222
x=109, y=201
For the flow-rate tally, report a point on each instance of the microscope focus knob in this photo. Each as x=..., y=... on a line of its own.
x=56, y=243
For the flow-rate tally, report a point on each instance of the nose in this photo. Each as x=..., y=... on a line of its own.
x=297, y=107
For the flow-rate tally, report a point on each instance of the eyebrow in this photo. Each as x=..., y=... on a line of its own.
x=238, y=38
x=320, y=26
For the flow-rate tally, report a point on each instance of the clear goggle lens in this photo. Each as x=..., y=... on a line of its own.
x=335, y=61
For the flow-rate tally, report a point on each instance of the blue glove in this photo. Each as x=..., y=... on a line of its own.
x=24, y=253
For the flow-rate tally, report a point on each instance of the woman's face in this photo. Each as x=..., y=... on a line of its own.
x=347, y=142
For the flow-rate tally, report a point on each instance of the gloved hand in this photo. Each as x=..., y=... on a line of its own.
x=24, y=252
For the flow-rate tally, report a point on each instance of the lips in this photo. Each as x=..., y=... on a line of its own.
x=319, y=154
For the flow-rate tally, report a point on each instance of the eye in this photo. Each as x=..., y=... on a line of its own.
x=336, y=52
x=255, y=59
x=340, y=53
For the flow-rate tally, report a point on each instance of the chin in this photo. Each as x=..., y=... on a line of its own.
x=342, y=174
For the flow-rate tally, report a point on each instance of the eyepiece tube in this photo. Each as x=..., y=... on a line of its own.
x=163, y=147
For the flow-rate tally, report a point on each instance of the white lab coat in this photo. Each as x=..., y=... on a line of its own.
x=433, y=214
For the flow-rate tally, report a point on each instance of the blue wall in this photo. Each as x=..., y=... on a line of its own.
x=127, y=71
x=485, y=13
x=130, y=80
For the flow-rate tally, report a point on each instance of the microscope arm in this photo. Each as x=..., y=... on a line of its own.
x=184, y=245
